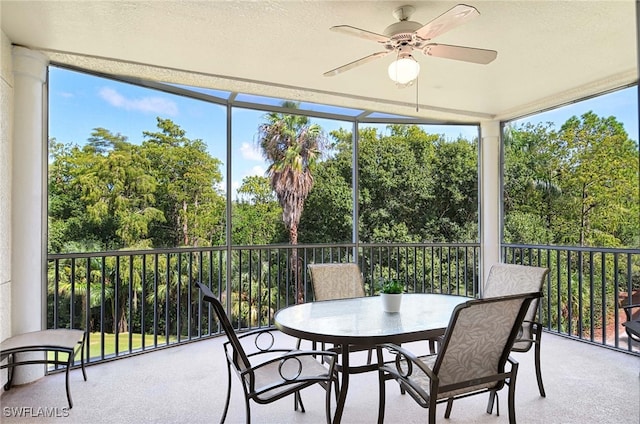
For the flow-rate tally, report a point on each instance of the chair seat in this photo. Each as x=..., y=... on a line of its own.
x=270, y=377
x=633, y=327
x=423, y=380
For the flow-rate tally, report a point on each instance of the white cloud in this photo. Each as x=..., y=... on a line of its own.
x=144, y=104
x=66, y=94
x=257, y=170
x=250, y=152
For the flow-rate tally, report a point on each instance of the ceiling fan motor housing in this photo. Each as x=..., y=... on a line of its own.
x=402, y=30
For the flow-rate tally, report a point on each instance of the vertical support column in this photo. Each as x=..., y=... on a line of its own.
x=490, y=196
x=355, y=191
x=28, y=205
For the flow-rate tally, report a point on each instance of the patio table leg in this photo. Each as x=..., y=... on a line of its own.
x=344, y=383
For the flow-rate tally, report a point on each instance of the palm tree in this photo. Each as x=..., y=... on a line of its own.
x=291, y=144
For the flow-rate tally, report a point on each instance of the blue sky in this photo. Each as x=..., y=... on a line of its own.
x=623, y=104
x=81, y=102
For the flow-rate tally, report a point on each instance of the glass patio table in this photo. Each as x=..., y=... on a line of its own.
x=361, y=323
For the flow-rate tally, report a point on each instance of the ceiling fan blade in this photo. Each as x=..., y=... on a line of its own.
x=362, y=33
x=466, y=54
x=355, y=63
x=450, y=19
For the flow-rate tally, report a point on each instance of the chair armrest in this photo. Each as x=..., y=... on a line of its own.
x=512, y=361
x=256, y=332
x=536, y=332
x=260, y=344
x=401, y=368
x=627, y=309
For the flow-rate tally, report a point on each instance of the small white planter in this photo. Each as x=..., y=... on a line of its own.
x=391, y=302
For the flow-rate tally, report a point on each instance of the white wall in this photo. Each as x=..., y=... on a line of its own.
x=22, y=201
x=6, y=135
x=28, y=201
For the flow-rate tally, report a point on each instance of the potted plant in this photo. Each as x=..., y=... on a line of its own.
x=391, y=294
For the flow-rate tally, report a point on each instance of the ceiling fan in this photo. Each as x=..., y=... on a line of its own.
x=405, y=36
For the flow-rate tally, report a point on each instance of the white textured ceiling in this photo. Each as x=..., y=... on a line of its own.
x=549, y=52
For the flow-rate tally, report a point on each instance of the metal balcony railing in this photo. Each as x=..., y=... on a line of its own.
x=135, y=301
x=585, y=290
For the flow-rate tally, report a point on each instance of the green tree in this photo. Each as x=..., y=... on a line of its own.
x=87, y=285
x=116, y=185
x=187, y=177
x=256, y=214
x=455, y=191
x=327, y=217
x=600, y=179
x=328, y=213
x=291, y=144
x=65, y=206
x=580, y=182
x=413, y=186
x=532, y=190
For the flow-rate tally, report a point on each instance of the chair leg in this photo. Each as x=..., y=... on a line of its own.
x=248, y=410
x=226, y=403
x=432, y=410
x=84, y=373
x=493, y=399
x=381, y=397
x=327, y=401
x=447, y=412
x=297, y=400
x=512, y=394
x=69, y=363
x=538, y=371
x=9, y=382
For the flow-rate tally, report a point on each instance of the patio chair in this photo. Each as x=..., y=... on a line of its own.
x=506, y=279
x=632, y=325
x=268, y=373
x=471, y=359
x=337, y=281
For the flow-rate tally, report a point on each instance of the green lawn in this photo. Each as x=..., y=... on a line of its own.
x=123, y=344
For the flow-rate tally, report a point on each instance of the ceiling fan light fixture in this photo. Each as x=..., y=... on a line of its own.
x=404, y=70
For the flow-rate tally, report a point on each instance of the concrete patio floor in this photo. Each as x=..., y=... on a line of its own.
x=187, y=384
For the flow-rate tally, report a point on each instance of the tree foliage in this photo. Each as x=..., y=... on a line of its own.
x=187, y=177
x=413, y=187
x=158, y=194
x=257, y=214
x=580, y=182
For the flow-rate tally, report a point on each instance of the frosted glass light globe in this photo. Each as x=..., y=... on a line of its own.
x=404, y=70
